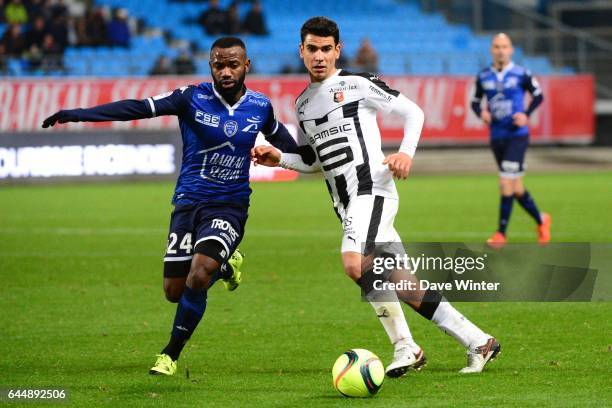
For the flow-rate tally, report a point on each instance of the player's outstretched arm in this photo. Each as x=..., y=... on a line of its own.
x=272, y=157
x=169, y=103
x=400, y=163
x=128, y=109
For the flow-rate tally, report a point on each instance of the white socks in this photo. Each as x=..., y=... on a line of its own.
x=392, y=318
x=453, y=323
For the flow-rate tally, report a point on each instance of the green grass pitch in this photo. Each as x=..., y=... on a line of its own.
x=82, y=306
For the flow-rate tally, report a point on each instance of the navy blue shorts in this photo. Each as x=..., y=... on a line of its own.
x=193, y=227
x=510, y=155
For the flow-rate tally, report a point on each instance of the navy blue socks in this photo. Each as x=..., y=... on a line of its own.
x=526, y=201
x=505, y=209
x=189, y=312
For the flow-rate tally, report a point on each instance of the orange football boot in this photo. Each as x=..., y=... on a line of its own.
x=497, y=241
x=544, y=229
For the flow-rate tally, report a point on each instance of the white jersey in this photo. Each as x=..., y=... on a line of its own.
x=337, y=119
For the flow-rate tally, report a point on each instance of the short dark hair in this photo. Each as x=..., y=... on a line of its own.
x=321, y=27
x=228, y=42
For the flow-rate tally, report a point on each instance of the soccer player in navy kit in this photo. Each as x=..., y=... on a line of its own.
x=219, y=122
x=504, y=85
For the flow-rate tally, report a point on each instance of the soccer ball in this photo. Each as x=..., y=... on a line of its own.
x=358, y=373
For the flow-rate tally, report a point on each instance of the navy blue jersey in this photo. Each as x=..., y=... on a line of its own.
x=217, y=140
x=505, y=93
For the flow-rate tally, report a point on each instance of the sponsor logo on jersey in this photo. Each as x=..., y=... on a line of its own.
x=207, y=119
x=301, y=106
x=339, y=97
x=230, y=128
x=380, y=93
x=334, y=130
x=343, y=87
x=253, y=126
x=258, y=102
x=220, y=165
x=488, y=85
x=511, y=82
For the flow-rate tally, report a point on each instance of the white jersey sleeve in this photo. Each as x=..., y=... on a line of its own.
x=382, y=98
x=378, y=95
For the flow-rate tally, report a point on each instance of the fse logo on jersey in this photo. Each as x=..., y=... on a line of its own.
x=207, y=119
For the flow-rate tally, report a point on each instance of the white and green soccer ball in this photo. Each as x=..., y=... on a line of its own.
x=358, y=373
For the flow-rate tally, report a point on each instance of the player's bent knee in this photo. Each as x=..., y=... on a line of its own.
x=173, y=289
x=353, y=270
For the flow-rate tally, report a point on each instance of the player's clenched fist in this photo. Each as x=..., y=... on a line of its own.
x=519, y=119
x=399, y=163
x=266, y=156
x=62, y=116
x=485, y=115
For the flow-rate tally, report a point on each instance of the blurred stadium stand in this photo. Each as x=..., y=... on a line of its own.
x=408, y=39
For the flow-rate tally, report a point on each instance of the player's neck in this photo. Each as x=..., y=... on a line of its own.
x=314, y=80
x=232, y=98
x=500, y=66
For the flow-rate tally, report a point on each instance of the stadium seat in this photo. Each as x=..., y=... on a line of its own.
x=427, y=43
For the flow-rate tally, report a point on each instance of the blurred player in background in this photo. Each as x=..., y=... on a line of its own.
x=504, y=85
x=219, y=122
x=339, y=135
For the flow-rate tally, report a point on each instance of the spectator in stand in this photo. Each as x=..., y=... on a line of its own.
x=118, y=29
x=59, y=9
x=52, y=55
x=254, y=22
x=233, y=20
x=95, y=27
x=14, y=41
x=366, y=59
x=3, y=64
x=35, y=37
x=163, y=66
x=59, y=30
x=184, y=65
x=214, y=21
x=38, y=8
x=16, y=13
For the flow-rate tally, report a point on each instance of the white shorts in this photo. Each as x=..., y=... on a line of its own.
x=368, y=220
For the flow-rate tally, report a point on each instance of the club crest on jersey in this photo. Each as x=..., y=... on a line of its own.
x=338, y=97
x=230, y=128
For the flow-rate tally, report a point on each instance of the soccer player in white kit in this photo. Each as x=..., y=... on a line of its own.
x=338, y=134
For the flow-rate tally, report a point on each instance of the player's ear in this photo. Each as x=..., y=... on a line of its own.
x=301, y=49
x=247, y=65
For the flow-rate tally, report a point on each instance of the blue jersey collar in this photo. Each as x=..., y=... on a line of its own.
x=230, y=109
x=501, y=74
